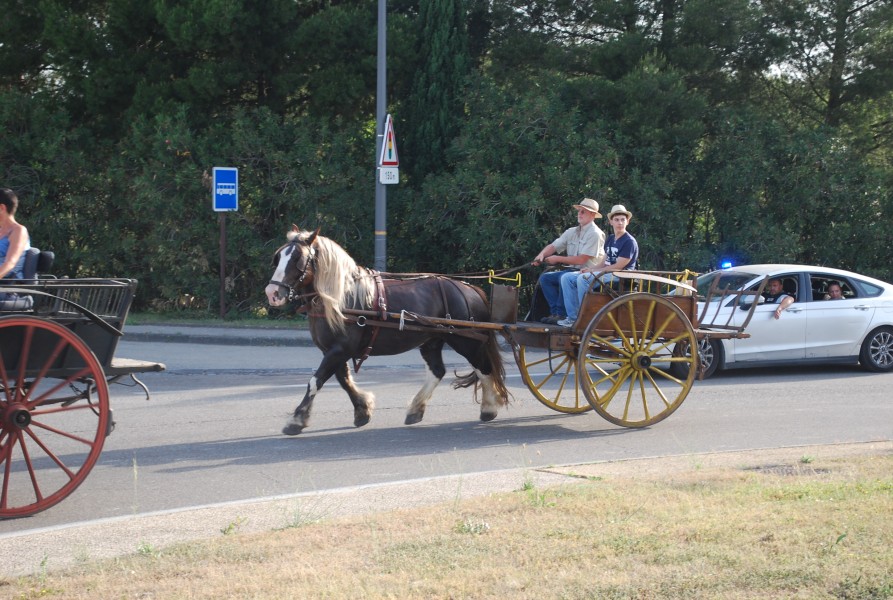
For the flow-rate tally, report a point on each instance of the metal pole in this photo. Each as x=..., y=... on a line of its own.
x=222, y=220
x=381, y=196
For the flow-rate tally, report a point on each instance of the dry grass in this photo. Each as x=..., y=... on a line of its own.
x=813, y=529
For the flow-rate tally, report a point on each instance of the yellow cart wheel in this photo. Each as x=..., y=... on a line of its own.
x=552, y=378
x=626, y=355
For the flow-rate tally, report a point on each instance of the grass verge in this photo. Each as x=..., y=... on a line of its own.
x=810, y=528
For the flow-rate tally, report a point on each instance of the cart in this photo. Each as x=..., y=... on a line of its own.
x=56, y=364
x=629, y=354
x=632, y=354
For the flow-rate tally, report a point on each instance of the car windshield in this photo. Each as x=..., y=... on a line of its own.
x=725, y=280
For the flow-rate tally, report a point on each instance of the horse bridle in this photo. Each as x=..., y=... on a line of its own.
x=293, y=289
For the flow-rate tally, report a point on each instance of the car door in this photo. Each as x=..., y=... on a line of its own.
x=772, y=339
x=835, y=328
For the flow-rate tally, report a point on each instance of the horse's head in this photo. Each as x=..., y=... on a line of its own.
x=293, y=265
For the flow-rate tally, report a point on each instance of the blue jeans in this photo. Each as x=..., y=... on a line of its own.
x=574, y=288
x=552, y=283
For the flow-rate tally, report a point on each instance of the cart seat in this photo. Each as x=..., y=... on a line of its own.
x=37, y=261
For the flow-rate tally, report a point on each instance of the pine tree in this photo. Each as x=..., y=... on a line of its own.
x=436, y=103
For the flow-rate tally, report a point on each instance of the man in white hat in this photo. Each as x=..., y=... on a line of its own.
x=583, y=246
x=621, y=254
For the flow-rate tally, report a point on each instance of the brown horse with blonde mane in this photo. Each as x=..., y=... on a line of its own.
x=350, y=313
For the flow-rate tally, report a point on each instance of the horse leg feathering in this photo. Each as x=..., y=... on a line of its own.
x=363, y=402
x=334, y=359
x=490, y=400
x=301, y=417
x=432, y=353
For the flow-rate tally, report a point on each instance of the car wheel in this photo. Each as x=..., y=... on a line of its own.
x=877, y=350
x=711, y=355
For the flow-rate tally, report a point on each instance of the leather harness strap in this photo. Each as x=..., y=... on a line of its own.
x=379, y=305
x=446, y=305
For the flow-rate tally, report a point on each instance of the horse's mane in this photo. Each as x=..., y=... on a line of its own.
x=339, y=282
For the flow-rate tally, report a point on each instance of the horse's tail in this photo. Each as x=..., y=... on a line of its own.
x=491, y=349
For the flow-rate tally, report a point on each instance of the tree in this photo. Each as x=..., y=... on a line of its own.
x=436, y=103
x=840, y=57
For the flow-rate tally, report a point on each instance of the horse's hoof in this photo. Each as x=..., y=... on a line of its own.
x=413, y=418
x=292, y=429
x=487, y=416
x=360, y=420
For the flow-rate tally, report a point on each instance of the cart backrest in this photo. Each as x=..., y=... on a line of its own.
x=37, y=262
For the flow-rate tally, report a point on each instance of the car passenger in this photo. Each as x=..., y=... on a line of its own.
x=775, y=294
x=834, y=292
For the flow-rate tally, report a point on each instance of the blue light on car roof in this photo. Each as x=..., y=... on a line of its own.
x=726, y=264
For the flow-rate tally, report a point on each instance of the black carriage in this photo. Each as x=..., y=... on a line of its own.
x=57, y=359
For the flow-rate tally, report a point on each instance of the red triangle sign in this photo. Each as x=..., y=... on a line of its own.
x=389, y=146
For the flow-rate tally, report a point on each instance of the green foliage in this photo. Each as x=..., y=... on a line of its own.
x=291, y=171
x=523, y=159
x=436, y=106
x=755, y=130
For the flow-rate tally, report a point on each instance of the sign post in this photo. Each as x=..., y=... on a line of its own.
x=381, y=193
x=388, y=163
x=224, y=198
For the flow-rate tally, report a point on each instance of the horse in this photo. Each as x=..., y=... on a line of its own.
x=351, y=313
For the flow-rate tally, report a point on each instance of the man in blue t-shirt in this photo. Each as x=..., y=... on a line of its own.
x=621, y=254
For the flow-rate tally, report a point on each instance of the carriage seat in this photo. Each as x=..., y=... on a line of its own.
x=36, y=262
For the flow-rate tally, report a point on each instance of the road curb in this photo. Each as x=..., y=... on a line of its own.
x=222, y=339
x=226, y=336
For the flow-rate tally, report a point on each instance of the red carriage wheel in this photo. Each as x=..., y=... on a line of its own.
x=54, y=413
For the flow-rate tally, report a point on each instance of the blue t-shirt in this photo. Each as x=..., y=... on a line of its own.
x=16, y=272
x=625, y=247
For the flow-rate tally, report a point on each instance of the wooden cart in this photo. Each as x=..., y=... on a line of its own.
x=57, y=359
x=628, y=355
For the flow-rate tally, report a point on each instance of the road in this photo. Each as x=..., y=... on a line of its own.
x=211, y=431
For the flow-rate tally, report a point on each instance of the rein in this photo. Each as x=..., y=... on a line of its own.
x=468, y=275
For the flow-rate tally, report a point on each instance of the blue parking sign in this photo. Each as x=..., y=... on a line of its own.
x=225, y=189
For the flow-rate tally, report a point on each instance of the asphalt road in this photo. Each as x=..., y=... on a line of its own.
x=210, y=435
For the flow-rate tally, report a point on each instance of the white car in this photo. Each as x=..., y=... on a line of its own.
x=856, y=328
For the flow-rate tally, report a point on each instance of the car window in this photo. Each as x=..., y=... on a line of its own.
x=820, y=284
x=789, y=284
x=725, y=280
x=866, y=289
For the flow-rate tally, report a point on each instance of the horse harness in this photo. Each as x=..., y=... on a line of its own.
x=379, y=306
x=292, y=289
